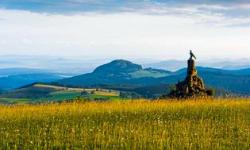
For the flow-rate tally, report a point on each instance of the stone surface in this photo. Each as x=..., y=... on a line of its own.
x=192, y=86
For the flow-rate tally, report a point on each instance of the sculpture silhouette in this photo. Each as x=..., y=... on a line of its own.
x=192, y=86
x=192, y=55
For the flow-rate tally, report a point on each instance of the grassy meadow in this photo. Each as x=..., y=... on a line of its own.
x=44, y=93
x=139, y=124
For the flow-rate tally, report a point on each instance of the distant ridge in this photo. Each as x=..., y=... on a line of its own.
x=128, y=76
x=17, y=71
x=16, y=81
x=117, y=72
x=123, y=74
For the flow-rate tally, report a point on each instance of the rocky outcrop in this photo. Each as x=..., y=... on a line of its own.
x=192, y=86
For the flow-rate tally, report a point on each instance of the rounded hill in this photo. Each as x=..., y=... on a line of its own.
x=118, y=66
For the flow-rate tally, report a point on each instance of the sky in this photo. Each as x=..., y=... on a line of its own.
x=131, y=29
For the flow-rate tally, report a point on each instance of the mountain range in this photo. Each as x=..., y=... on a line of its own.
x=224, y=64
x=12, y=78
x=124, y=75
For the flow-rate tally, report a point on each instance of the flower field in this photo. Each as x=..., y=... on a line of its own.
x=137, y=124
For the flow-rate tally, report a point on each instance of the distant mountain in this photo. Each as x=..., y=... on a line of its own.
x=117, y=67
x=224, y=64
x=117, y=73
x=16, y=81
x=11, y=78
x=129, y=77
x=167, y=65
x=125, y=75
x=233, y=81
x=4, y=72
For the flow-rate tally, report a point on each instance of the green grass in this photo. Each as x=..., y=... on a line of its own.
x=201, y=124
x=48, y=93
x=14, y=100
x=61, y=96
x=101, y=97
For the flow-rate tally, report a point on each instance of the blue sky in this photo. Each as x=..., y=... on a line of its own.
x=157, y=29
x=227, y=7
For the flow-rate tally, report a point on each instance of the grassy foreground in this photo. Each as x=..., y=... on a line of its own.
x=140, y=124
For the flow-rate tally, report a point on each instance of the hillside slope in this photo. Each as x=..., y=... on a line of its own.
x=16, y=81
x=125, y=75
x=233, y=81
x=40, y=92
x=118, y=72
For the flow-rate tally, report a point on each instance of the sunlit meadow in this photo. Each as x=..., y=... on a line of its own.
x=139, y=124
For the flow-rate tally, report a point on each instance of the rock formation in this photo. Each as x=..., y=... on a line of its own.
x=192, y=86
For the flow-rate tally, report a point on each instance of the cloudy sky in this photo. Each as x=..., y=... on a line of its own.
x=157, y=29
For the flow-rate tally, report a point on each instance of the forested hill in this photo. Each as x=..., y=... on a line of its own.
x=125, y=75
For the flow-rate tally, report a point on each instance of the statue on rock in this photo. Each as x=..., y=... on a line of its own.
x=192, y=86
x=192, y=55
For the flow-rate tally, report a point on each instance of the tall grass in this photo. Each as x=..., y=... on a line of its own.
x=200, y=124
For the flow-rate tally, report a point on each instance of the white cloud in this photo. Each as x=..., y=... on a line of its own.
x=123, y=35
